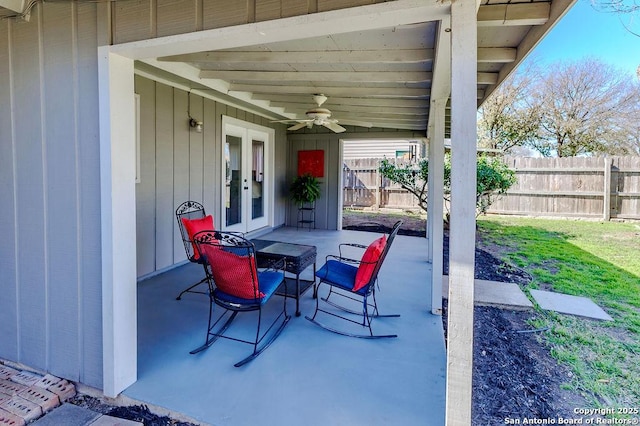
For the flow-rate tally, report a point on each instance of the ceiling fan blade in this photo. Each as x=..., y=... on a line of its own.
x=356, y=123
x=334, y=126
x=297, y=126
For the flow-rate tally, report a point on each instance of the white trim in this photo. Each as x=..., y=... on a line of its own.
x=462, y=222
x=118, y=225
x=361, y=18
x=13, y=5
x=245, y=131
x=137, y=103
x=435, y=202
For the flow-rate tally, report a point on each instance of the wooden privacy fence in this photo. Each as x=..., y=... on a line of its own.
x=595, y=187
x=591, y=187
x=364, y=186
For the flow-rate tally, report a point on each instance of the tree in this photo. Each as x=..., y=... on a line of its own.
x=629, y=8
x=579, y=108
x=586, y=107
x=507, y=119
x=494, y=178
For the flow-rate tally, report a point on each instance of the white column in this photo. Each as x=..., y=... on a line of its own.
x=463, y=200
x=435, y=202
x=118, y=220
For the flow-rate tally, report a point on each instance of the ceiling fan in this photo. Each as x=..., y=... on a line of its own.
x=321, y=117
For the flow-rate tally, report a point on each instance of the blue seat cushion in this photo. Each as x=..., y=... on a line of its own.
x=340, y=274
x=268, y=282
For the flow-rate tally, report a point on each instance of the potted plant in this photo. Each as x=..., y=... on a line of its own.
x=305, y=189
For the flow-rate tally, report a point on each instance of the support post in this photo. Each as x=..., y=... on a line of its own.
x=118, y=225
x=435, y=202
x=606, y=214
x=463, y=201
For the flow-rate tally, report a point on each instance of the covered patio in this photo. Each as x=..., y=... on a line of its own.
x=308, y=376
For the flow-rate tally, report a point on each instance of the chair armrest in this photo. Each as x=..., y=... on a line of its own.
x=352, y=245
x=341, y=259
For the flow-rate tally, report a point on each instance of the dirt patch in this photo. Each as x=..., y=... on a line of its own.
x=514, y=375
x=413, y=225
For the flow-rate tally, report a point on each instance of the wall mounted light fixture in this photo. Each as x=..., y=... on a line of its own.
x=193, y=123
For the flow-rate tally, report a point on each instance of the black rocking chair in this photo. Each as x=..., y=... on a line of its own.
x=236, y=285
x=354, y=281
x=187, y=213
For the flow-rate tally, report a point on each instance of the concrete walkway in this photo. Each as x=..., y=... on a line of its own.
x=493, y=293
x=510, y=296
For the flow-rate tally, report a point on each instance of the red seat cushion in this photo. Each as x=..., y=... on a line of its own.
x=193, y=226
x=232, y=273
x=367, y=265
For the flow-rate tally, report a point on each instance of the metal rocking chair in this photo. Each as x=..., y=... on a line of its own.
x=236, y=285
x=191, y=210
x=354, y=281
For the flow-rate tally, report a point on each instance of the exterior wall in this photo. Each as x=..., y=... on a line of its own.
x=50, y=250
x=328, y=205
x=144, y=19
x=179, y=164
x=50, y=268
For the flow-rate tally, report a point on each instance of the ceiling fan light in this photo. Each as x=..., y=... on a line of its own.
x=319, y=98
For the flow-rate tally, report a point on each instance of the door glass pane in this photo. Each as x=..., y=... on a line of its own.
x=257, y=179
x=233, y=192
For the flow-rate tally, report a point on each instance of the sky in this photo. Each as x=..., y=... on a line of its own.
x=584, y=32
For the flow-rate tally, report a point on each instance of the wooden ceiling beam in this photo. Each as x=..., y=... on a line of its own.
x=487, y=77
x=329, y=91
x=332, y=76
x=13, y=5
x=514, y=14
x=395, y=125
x=496, y=54
x=308, y=57
x=342, y=107
x=356, y=101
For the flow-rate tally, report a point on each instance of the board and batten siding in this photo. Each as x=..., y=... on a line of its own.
x=50, y=255
x=144, y=19
x=179, y=164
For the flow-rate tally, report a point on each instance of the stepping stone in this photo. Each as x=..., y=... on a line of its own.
x=494, y=293
x=567, y=304
x=114, y=421
x=68, y=415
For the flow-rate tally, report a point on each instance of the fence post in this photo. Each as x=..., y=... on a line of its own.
x=378, y=183
x=607, y=188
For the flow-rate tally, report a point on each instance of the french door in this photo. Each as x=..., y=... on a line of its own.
x=247, y=181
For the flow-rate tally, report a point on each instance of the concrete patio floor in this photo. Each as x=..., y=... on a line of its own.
x=309, y=376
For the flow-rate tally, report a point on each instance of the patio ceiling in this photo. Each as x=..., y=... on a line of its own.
x=382, y=77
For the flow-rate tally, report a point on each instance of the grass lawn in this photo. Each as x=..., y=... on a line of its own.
x=583, y=258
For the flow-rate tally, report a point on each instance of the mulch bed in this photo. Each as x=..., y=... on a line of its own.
x=138, y=413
